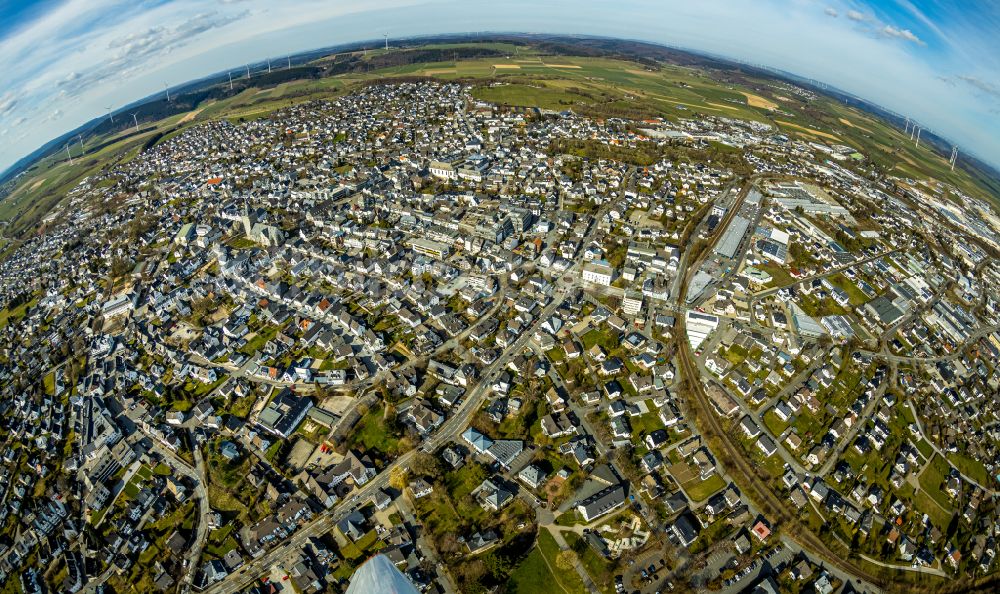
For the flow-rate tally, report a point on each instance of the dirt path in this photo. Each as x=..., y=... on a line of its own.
x=552, y=570
x=191, y=115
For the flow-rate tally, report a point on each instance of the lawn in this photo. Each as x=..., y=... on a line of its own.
x=356, y=550
x=570, y=518
x=221, y=541
x=259, y=340
x=773, y=464
x=15, y=314
x=779, y=276
x=700, y=490
x=598, y=568
x=775, y=425
x=973, y=469
x=538, y=571
x=373, y=433
x=646, y=423
x=556, y=354
x=924, y=503
x=607, y=339
x=932, y=481
x=272, y=450
x=852, y=290
x=925, y=448
x=453, y=509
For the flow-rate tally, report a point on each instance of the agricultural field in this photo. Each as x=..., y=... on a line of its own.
x=526, y=77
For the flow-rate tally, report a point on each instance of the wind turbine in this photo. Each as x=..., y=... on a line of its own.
x=386, y=42
x=230, y=81
x=79, y=138
x=136, y=120
x=248, y=72
x=111, y=116
x=289, y=63
x=68, y=154
x=269, y=65
x=166, y=88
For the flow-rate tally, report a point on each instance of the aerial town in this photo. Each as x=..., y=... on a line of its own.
x=506, y=349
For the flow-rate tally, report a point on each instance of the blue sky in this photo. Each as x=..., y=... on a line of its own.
x=65, y=61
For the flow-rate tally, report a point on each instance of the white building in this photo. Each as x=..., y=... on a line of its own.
x=598, y=272
x=699, y=326
x=442, y=170
x=631, y=303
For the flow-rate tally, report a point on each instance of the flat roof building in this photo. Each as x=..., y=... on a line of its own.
x=429, y=247
x=283, y=415
x=733, y=237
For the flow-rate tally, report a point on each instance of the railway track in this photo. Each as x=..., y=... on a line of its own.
x=761, y=493
x=709, y=425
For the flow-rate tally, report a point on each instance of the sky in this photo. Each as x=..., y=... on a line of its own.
x=67, y=61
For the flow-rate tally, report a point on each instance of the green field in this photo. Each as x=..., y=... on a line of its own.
x=373, y=433
x=598, y=568
x=700, y=490
x=538, y=572
x=973, y=469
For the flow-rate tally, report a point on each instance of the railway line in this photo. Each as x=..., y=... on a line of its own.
x=746, y=476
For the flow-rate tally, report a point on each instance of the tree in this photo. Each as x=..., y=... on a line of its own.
x=201, y=308
x=397, y=479
x=120, y=267
x=566, y=560
x=497, y=565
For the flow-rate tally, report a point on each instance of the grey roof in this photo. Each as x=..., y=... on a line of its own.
x=505, y=450
x=603, y=501
x=731, y=239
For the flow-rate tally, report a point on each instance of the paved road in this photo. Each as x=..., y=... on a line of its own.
x=920, y=426
x=958, y=352
x=822, y=275
x=204, y=510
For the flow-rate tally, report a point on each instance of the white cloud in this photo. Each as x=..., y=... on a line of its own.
x=7, y=103
x=924, y=19
x=831, y=11
x=856, y=16
x=890, y=31
x=982, y=86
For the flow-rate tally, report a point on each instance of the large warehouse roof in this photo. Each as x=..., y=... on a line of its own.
x=730, y=241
